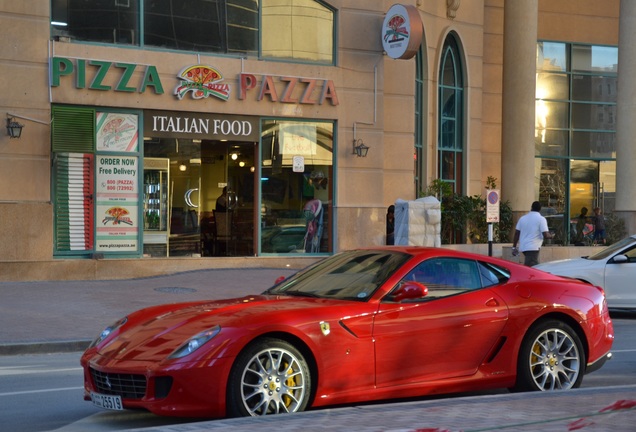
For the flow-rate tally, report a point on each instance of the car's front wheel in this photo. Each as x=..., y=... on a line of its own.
x=551, y=358
x=269, y=377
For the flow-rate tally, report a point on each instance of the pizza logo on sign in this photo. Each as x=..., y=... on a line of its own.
x=203, y=81
x=396, y=30
x=117, y=216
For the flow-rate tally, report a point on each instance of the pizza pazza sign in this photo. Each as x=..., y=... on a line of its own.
x=199, y=81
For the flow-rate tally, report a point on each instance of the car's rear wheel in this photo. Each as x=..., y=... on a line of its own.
x=551, y=358
x=269, y=377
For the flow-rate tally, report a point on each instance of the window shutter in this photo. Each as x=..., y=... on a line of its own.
x=73, y=129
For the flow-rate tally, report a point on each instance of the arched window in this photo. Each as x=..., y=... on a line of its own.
x=450, y=137
x=420, y=118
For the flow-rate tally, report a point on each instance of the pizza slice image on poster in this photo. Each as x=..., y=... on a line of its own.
x=117, y=216
x=117, y=132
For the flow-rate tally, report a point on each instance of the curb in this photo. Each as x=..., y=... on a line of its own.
x=44, y=347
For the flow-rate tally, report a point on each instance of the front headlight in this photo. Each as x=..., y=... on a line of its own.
x=195, y=342
x=107, y=331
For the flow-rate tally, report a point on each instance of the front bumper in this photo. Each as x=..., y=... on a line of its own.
x=183, y=389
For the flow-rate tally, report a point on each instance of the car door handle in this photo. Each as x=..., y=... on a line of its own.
x=492, y=303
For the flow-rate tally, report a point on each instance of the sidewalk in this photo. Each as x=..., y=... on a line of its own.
x=41, y=317
x=67, y=315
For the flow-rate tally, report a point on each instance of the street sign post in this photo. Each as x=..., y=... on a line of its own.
x=492, y=214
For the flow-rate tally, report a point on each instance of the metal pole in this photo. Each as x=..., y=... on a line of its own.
x=490, y=239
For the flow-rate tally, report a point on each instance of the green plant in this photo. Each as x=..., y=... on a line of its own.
x=152, y=220
x=464, y=217
x=614, y=229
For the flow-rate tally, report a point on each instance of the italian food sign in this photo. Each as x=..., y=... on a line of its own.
x=402, y=31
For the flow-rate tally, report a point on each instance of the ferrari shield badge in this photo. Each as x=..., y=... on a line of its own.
x=325, y=328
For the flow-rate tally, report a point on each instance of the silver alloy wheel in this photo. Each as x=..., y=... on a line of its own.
x=273, y=382
x=555, y=361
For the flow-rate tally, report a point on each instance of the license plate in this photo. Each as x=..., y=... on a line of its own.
x=108, y=402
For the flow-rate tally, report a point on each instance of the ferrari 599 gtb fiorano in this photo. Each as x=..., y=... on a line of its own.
x=361, y=325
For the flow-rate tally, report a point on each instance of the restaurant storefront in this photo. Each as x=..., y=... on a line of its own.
x=266, y=189
x=160, y=183
x=158, y=152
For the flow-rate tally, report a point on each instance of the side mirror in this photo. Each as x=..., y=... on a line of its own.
x=279, y=279
x=409, y=290
x=620, y=259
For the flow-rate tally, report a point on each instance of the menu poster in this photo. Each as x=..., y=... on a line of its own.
x=117, y=132
x=117, y=206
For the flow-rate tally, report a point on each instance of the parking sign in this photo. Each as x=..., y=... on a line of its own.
x=492, y=206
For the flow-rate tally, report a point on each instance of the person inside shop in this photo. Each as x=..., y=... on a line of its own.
x=581, y=221
x=221, y=201
x=599, y=227
x=207, y=233
x=390, y=225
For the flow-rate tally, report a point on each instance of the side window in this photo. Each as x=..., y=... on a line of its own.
x=631, y=254
x=492, y=275
x=446, y=276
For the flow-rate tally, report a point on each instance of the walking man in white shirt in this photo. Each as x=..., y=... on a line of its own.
x=532, y=229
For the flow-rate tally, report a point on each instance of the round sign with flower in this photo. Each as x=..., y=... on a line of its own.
x=402, y=31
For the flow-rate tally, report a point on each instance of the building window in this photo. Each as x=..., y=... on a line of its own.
x=300, y=30
x=420, y=118
x=575, y=132
x=196, y=25
x=451, y=117
x=296, y=186
x=297, y=30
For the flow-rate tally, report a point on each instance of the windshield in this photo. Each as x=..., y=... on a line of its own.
x=352, y=275
x=612, y=249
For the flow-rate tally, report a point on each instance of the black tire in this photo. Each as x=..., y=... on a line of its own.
x=269, y=376
x=551, y=358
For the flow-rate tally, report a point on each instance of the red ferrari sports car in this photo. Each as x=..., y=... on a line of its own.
x=361, y=325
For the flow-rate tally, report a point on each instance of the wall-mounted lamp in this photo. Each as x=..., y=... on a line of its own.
x=359, y=148
x=182, y=167
x=14, y=129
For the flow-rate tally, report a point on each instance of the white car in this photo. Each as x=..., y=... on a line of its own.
x=613, y=269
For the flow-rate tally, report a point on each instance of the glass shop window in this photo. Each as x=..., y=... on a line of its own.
x=296, y=187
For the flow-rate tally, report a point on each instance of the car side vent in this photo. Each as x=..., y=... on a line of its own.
x=162, y=387
x=496, y=349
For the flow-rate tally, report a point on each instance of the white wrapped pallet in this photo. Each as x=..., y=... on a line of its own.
x=419, y=222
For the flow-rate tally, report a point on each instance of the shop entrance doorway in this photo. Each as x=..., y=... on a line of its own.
x=228, y=210
x=183, y=181
x=593, y=185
